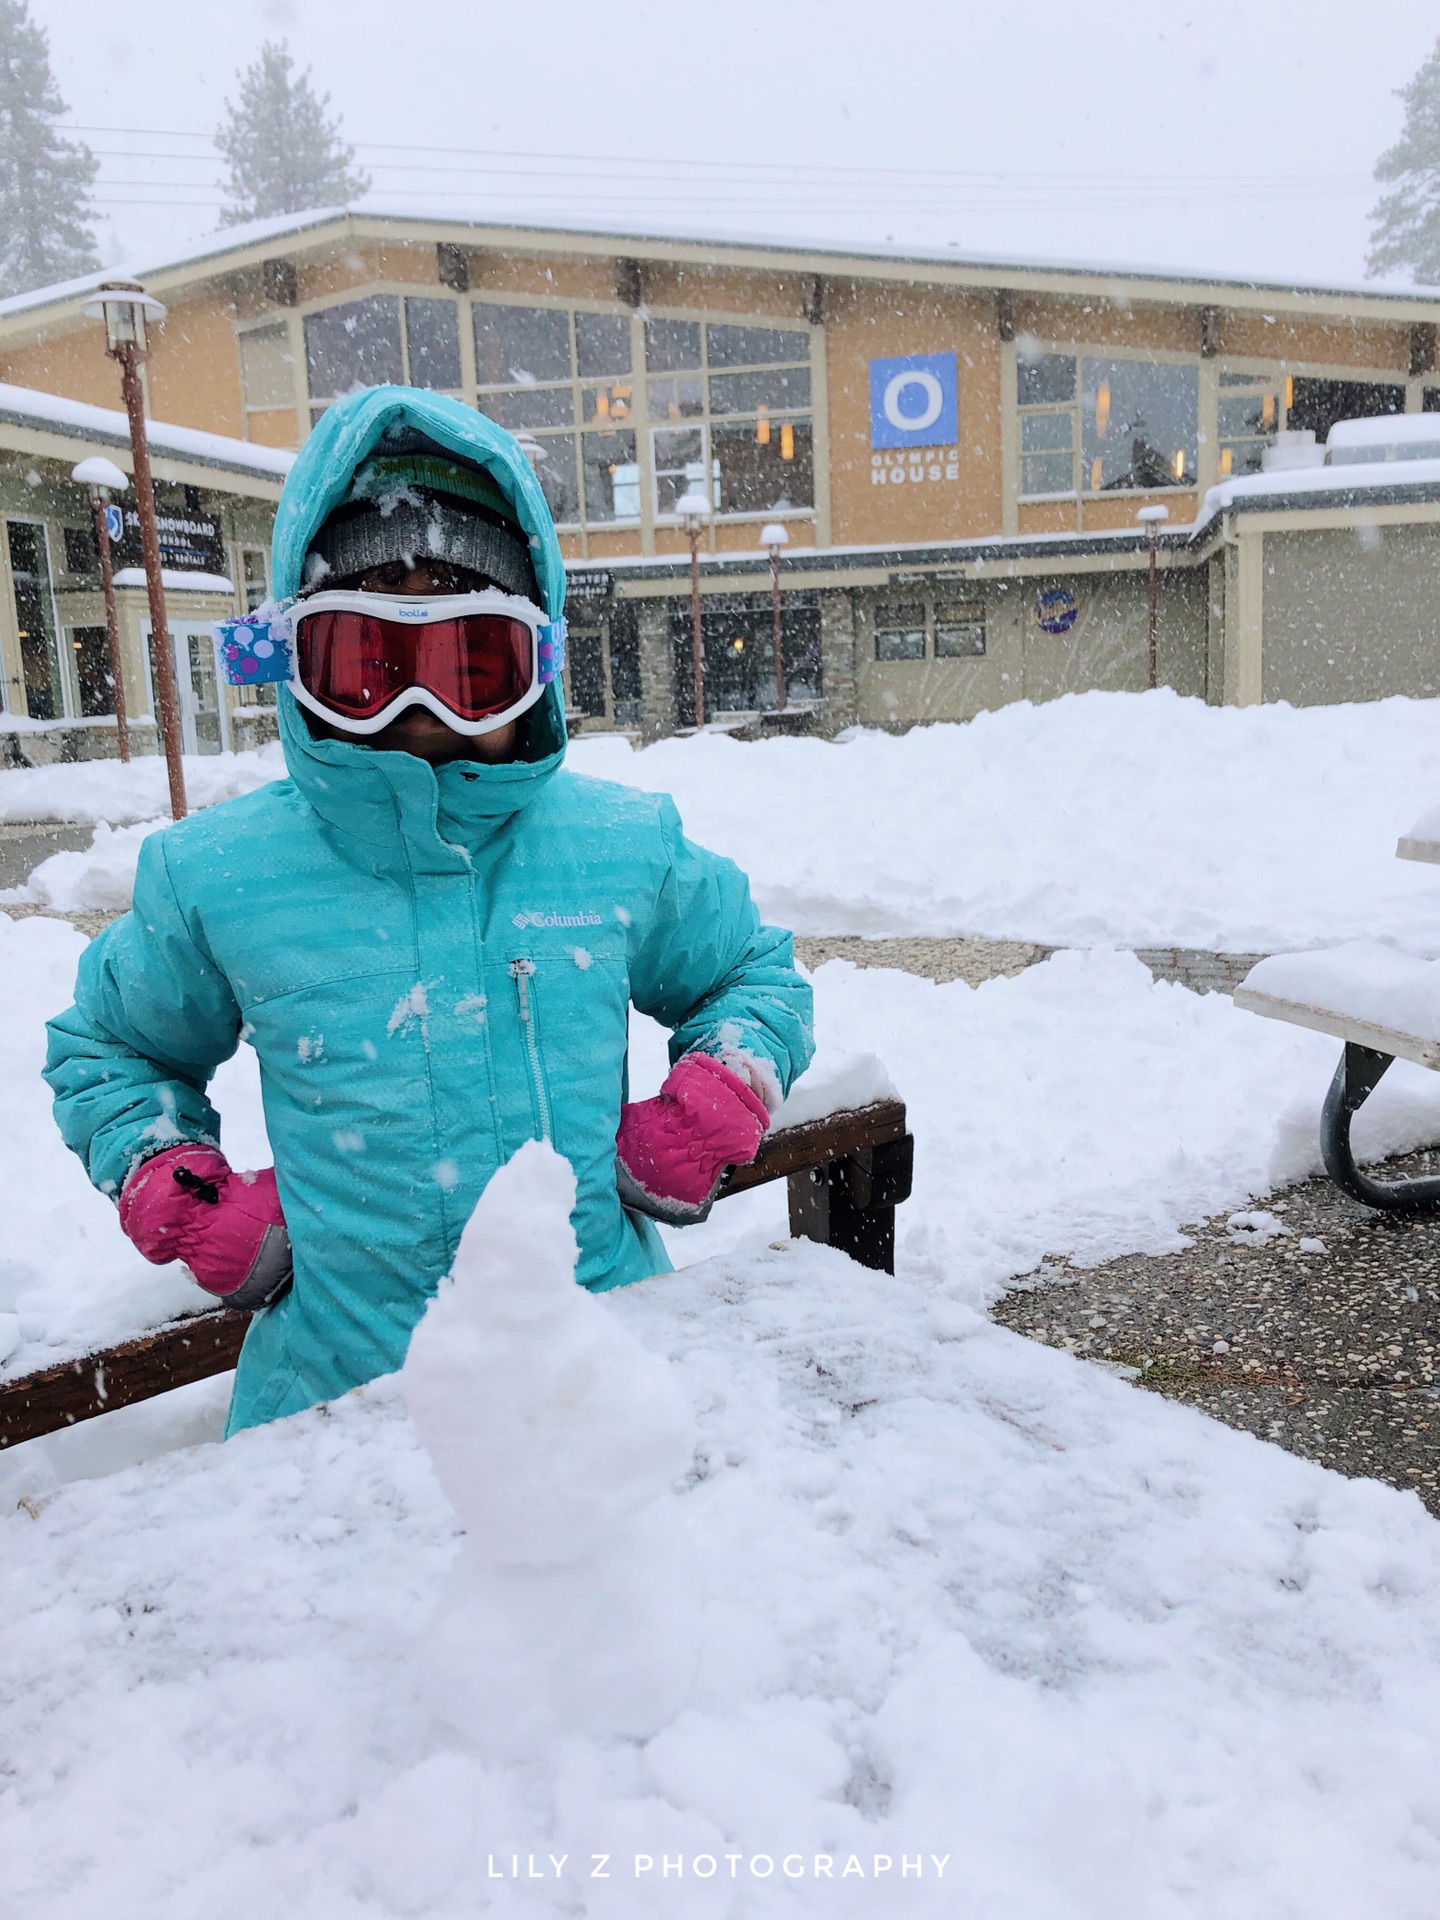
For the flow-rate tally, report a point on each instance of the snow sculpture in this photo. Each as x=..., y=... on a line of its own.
x=556, y=1436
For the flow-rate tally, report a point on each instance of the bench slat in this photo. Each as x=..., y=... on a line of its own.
x=209, y=1343
x=1409, y=848
x=1341, y=1026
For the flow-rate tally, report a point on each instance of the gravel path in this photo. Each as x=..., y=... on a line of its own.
x=1324, y=1337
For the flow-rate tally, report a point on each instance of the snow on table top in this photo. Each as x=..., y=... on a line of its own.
x=1133, y=819
x=1361, y=981
x=964, y=1597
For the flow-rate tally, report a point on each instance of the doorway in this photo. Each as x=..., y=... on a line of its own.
x=204, y=721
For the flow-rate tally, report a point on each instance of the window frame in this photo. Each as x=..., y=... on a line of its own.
x=648, y=521
x=1079, y=352
x=69, y=701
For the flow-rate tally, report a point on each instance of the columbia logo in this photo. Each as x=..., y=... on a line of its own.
x=587, y=918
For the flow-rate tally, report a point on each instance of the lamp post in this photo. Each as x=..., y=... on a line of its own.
x=694, y=509
x=103, y=478
x=774, y=537
x=1152, y=519
x=125, y=307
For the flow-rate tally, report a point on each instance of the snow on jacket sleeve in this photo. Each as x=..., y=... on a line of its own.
x=153, y=1017
x=710, y=970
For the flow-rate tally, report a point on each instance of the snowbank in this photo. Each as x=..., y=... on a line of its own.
x=1133, y=819
x=95, y=790
x=1080, y=1651
x=1127, y=819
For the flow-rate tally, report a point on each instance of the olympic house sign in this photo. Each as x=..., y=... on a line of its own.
x=914, y=419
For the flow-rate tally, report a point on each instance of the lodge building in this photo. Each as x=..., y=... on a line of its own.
x=956, y=450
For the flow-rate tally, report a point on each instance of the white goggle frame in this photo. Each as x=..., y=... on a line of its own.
x=423, y=612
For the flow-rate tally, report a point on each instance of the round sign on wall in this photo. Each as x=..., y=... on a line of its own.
x=1056, y=610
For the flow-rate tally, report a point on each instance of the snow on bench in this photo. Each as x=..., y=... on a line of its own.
x=1385, y=1006
x=1422, y=842
x=847, y=1171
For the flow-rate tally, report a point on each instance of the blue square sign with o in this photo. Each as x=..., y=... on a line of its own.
x=913, y=401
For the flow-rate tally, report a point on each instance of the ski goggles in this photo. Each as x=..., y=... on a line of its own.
x=475, y=660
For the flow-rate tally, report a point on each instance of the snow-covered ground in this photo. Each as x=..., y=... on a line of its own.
x=1132, y=819
x=963, y=1601
x=954, y=1597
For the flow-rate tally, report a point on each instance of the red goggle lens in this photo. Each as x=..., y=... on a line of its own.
x=357, y=664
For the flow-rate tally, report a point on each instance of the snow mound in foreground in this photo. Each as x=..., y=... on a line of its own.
x=962, y=1596
x=556, y=1436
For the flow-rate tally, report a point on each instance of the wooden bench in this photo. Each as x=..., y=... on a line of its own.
x=847, y=1174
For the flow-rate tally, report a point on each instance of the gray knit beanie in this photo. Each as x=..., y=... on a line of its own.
x=415, y=507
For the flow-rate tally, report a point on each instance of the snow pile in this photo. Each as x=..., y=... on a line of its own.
x=1080, y=1109
x=1081, y=1651
x=115, y=791
x=1103, y=818
x=555, y=1436
x=1360, y=980
x=1128, y=819
x=101, y=876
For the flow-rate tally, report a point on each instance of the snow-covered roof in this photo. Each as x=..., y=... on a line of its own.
x=1385, y=430
x=1344, y=482
x=28, y=407
x=177, y=580
x=236, y=239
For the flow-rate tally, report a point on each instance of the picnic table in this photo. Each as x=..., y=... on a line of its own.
x=1384, y=1006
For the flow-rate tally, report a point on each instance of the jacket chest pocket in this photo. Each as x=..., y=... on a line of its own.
x=569, y=1028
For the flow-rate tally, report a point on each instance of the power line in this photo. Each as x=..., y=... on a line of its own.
x=768, y=169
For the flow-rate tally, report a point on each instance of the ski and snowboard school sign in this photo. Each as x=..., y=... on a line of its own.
x=914, y=419
x=189, y=540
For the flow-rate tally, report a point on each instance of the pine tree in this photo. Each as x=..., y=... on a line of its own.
x=285, y=156
x=45, y=181
x=1405, y=224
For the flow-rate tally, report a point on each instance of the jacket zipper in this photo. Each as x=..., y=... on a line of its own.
x=522, y=972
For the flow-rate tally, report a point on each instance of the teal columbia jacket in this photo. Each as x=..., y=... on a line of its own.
x=433, y=966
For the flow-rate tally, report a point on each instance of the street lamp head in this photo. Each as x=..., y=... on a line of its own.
x=774, y=536
x=693, y=505
x=532, y=449
x=125, y=307
x=1152, y=516
x=100, y=473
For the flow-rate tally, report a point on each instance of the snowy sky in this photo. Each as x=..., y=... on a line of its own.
x=1237, y=137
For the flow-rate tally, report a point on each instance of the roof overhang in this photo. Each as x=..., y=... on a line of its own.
x=44, y=440
x=1118, y=286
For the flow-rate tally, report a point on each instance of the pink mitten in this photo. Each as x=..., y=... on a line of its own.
x=188, y=1204
x=671, y=1152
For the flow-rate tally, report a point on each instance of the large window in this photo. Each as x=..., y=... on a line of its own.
x=35, y=619
x=730, y=415
x=1092, y=425
x=1248, y=419
x=727, y=406
x=564, y=378
x=380, y=341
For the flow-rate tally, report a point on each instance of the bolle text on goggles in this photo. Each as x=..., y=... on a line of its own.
x=475, y=660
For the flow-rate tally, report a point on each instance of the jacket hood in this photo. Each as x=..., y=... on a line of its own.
x=378, y=418
x=358, y=788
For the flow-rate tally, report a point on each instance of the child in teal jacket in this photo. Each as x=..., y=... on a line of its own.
x=432, y=940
